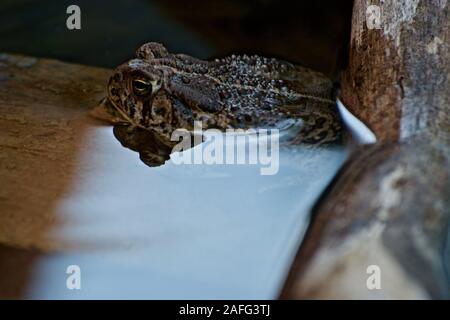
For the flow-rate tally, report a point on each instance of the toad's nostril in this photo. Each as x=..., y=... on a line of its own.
x=114, y=92
x=117, y=77
x=160, y=111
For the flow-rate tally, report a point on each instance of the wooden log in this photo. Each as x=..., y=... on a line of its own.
x=397, y=80
x=389, y=207
x=44, y=108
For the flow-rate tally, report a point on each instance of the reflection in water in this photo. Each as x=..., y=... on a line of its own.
x=264, y=143
x=152, y=151
x=182, y=231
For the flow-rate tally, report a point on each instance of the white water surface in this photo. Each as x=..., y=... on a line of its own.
x=181, y=231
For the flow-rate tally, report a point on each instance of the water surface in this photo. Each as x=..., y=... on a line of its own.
x=181, y=231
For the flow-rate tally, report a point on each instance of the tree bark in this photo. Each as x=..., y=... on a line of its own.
x=388, y=210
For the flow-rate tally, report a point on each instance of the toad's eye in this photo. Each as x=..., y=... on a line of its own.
x=141, y=87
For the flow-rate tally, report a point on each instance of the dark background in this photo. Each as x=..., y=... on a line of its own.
x=313, y=33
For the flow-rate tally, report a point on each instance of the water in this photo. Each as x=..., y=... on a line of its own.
x=181, y=231
x=178, y=231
